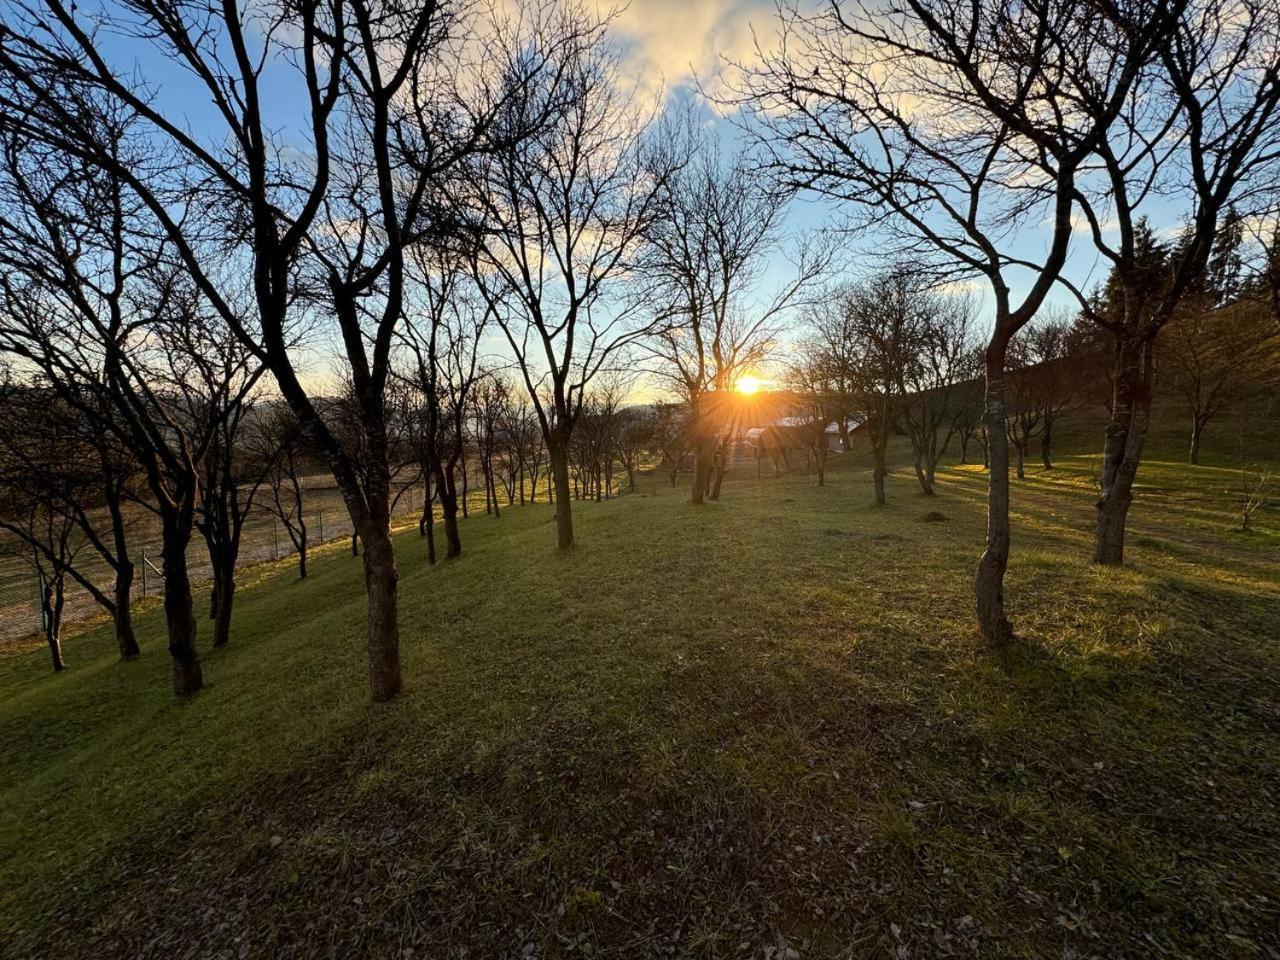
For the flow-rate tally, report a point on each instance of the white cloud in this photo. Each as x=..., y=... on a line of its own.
x=671, y=43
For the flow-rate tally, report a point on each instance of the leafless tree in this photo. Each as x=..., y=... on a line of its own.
x=935, y=378
x=813, y=381
x=527, y=447
x=1257, y=486
x=92, y=306
x=1217, y=356
x=866, y=339
x=720, y=228
x=1200, y=131
x=394, y=97
x=491, y=399
x=637, y=436
x=559, y=219
x=277, y=441
x=925, y=121
x=53, y=461
x=228, y=476
x=442, y=336
x=1026, y=419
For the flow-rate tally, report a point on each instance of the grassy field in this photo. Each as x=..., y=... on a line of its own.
x=763, y=728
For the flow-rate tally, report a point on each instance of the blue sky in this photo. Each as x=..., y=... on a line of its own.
x=668, y=48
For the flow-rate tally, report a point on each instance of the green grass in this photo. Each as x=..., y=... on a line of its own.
x=767, y=723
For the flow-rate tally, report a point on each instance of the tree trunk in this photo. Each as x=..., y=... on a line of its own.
x=1122, y=450
x=988, y=585
x=1046, y=444
x=126, y=639
x=179, y=612
x=381, y=580
x=55, y=649
x=879, y=472
x=51, y=597
x=1020, y=447
x=1197, y=429
x=225, y=590
x=449, y=513
x=721, y=463
x=926, y=485
x=302, y=557
x=558, y=447
x=703, y=457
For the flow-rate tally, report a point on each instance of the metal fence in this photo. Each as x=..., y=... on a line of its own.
x=263, y=539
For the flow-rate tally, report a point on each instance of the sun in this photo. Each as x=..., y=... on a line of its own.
x=748, y=385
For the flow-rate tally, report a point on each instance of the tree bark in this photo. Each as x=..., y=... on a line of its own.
x=381, y=580
x=1046, y=444
x=560, y=476
x=720, y=462
x=988, y=584
x=51, y=598
x=1197, y=429
x=179, y=613
x=703, y=457
x=225, y=592
x=126, y=639
x=926, y=482
x=449, y=513
x=1122, y=450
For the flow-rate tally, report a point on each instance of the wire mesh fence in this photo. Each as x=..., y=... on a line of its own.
x=264, y=538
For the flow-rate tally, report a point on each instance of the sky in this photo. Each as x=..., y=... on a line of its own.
x=672, y=49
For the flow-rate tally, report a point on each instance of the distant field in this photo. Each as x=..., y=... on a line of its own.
x=263, y=539
x=761, y=727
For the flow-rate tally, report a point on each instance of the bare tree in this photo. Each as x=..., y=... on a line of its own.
x=867, y=336
x=1199, y=132
x=278, y=441
x=92, y=306
x=229, y=476
x=810, y=379
x=559, y=219
x=637, y=435
x=1221, y=343
x=394, y=97
x=1257, y=485
x=925, y=121
x=442, y=336
x=719, y=229
x=934, y=378
x=50, y=454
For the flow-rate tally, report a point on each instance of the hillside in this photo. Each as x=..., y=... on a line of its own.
x=759, y=728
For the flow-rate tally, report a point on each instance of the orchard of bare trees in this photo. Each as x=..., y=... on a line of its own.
x=450, y=252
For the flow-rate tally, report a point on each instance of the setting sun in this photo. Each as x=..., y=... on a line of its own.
x=748, y=385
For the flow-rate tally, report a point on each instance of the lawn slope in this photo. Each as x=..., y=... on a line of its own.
x=766, y=723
